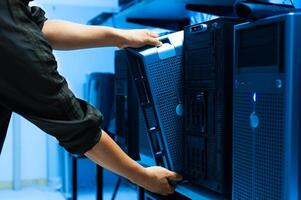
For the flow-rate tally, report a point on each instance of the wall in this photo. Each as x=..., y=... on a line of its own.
x=32, y=155
x=6, y=161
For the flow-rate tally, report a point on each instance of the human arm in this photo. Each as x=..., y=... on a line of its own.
x=108, y=154
x=64, y=35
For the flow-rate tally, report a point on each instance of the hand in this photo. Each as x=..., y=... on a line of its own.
x=157, y=180
x=138, y=38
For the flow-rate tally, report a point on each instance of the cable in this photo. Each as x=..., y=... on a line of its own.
x=292, y=3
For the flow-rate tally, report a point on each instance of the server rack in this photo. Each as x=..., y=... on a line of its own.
x=208, y=69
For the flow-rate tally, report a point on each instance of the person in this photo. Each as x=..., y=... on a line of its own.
x=31, y=86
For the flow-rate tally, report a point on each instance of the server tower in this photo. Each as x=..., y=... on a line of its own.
x=208, y=69
x=158, y=76
x=267, y=98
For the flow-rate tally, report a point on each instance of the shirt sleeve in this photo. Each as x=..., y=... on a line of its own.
x=38, y=16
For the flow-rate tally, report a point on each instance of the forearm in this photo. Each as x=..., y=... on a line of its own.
x=109, y=155
x=66, y=36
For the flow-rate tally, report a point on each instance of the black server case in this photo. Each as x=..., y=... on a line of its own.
x=158, y=76
x=208, y=69
x=267, y=105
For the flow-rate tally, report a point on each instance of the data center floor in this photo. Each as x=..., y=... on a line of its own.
x=31, y=193
x=38, y=193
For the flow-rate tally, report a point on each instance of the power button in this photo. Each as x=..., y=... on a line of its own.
x=254, y=120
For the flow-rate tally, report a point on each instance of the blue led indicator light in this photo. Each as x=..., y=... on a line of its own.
x=254, y=97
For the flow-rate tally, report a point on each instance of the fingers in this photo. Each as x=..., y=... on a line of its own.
x=153, y=39
x=168, y=189
x=171, y=176
x=174, y=176
x=154, y=42
x=153, y=34
x=161, y=180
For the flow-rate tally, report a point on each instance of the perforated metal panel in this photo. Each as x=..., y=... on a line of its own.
x=258, y=154
x=242, y=148
x=269, y=148
x=165, y=81
x=195, y=157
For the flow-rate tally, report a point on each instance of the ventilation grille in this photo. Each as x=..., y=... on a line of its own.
x=196, y=135
x=196, y=111
x=242, y=148
x=208, y=142
x=258, y=154
x=269, y=150
x=165, y=81
x=195, y=158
